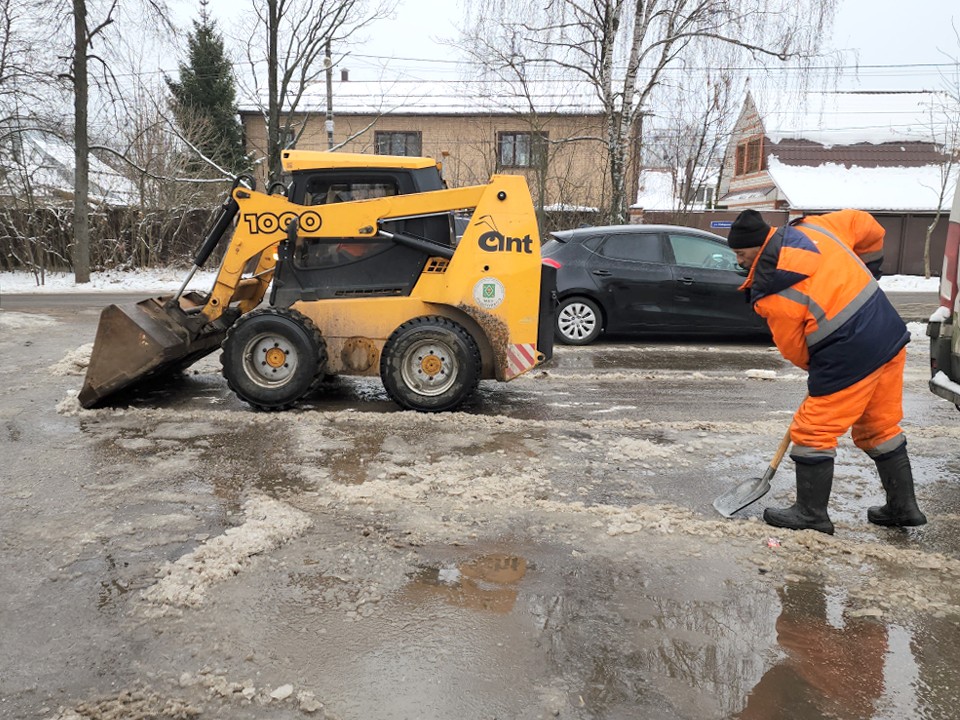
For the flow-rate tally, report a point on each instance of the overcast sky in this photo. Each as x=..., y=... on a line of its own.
x=916, y=33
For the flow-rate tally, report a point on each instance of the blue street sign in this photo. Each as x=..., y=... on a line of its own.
x=721, y=223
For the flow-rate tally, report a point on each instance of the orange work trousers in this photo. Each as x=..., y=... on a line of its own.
x=873, y=407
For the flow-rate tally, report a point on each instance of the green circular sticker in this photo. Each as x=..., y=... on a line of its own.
x=488, y=293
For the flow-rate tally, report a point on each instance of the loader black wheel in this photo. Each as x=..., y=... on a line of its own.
x=272, y=358
x=430, y=364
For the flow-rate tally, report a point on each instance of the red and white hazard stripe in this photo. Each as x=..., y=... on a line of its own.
x=520, y=358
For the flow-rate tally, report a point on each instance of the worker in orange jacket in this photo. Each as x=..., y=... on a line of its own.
x=815, y=281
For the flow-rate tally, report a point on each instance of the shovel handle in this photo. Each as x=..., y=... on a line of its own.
x=781, y=451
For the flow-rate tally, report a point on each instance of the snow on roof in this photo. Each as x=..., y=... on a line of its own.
x=844, y=118
x=656, y=191
x=49, y=165
x=444, y=97
x=657, y=188
x=833, y=187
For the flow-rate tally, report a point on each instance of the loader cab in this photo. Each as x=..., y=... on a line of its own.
x=322, y=268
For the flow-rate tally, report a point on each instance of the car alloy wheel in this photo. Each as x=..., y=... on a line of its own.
x=578, y=321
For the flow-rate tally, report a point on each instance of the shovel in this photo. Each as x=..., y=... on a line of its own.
x=748, y=492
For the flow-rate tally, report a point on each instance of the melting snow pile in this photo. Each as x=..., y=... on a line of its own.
x=269, y=524
x=74, y=362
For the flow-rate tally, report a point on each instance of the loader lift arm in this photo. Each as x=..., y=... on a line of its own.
x=357, y=219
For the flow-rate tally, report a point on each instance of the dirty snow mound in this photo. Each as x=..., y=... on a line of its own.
x=70, y=405
x=24, y=321
x=130, y=704
x=269, y=524
x=74, y=362
x=762, y=374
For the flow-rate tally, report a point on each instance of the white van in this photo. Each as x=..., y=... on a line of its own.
x=944, y=325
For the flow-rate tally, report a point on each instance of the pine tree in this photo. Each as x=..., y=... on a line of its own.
x=204, y=100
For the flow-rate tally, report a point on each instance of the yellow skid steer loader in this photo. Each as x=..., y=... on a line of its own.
x=366, y=275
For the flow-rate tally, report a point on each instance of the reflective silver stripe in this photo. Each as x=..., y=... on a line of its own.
x=890, y=445
x=870, y=257
x=792, y=293
x=827, y=327
x=803, y=451
x=829, y=234
x=863, y=261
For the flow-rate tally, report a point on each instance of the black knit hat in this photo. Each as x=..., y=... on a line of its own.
x=748, y=230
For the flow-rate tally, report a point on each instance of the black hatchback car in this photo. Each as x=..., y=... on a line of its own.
x=647, y=279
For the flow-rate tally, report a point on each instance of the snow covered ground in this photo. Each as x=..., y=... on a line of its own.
x=162, y=280
x=169, y=280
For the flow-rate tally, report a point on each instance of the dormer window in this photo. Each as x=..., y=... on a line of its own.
x=750, y=158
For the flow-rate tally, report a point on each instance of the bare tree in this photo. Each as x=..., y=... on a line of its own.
x=90, y=35
x=295, y=34
x=556, y=117
x=690, y=132
x=623, y=48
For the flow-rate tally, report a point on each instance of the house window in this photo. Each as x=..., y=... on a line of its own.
x=521, y=149
x=750, y=157
x=398, y=143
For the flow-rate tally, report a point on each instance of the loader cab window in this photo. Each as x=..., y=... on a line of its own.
x=351, y=266
x=317, y=253
x=324, y=192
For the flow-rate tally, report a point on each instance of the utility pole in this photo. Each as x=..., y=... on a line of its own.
x=328, y=63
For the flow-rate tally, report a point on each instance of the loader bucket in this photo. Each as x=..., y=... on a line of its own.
x=146, y=340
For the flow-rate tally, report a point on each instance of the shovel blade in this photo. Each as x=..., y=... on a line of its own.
x=744, y=494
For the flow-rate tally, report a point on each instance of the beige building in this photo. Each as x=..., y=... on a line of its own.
x=476, y=128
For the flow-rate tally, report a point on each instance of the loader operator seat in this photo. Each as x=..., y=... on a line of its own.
x=320, y=268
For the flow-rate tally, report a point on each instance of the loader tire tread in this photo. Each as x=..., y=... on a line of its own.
x=398, y=364
x=309, y=374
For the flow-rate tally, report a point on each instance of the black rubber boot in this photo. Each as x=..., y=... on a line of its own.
x=809, y=512
x=901, y=509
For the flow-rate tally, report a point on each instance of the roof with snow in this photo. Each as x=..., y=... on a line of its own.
x=846, y=118
x=655, y=190
x=832, y=186
x=878, y=151
x=444, y=97
x=47, y=167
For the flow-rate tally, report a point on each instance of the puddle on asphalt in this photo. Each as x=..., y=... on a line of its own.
x=488, y=583
x=694, y=641
x=832, y=662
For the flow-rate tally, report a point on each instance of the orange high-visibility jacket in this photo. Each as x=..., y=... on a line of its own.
x=814, y=282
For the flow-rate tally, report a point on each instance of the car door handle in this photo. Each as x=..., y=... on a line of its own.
x=685, y=280
x=602, y=273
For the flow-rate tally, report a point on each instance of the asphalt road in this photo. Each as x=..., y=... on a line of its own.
x=913, y=306
x=551, y=551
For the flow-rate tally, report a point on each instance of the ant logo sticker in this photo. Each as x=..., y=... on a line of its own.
x=488, y=293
